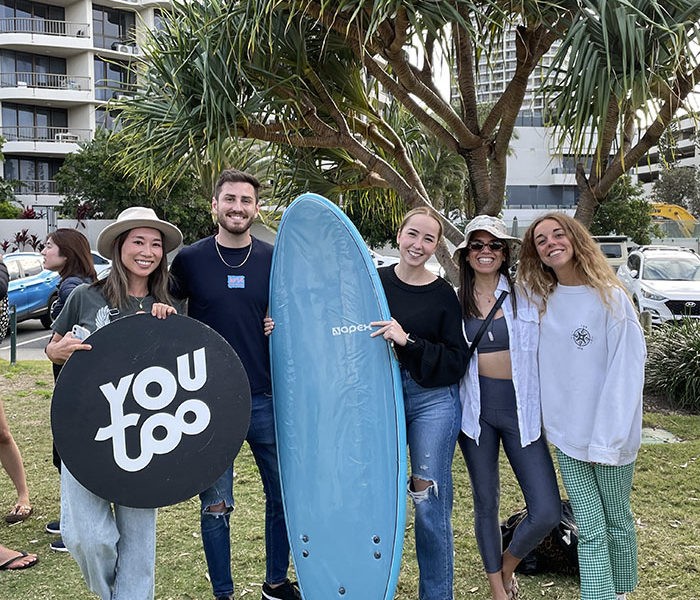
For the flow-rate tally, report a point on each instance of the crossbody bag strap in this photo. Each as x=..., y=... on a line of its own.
x=485, y=324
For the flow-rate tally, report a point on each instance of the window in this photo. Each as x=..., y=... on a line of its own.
x=25, y=122
x=36, y=70
x=31, y=17
x=33, y=175
x=105, y=119
x=111, y=79
x=112, y=26
x=31, y=265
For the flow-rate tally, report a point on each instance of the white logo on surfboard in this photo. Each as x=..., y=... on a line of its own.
x=348, y=329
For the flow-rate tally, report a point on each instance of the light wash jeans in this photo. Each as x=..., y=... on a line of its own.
x=432, y=425
x=114, y=545
x=216, y=534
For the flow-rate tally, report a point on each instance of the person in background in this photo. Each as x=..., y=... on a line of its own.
x=15, y=560
x=114, y=545
x=10, y=456
x=426, y=332
x=4, y=304
x=66, y=251
x=225, y=279
x=11, y=460
x=500, y=397
x=591, y=364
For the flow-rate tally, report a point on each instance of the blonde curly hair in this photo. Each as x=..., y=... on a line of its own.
x=588, y=261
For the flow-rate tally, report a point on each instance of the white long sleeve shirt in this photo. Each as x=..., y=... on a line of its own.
x=523, y=331
x=591, y=360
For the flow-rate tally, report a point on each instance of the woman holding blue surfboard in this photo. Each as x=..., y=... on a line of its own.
x=501, y=402
x=426, y=332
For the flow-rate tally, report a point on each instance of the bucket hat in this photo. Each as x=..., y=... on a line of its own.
x=493, y=225
x=131, y=218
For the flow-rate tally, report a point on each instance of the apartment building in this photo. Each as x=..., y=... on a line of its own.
x=60, y=64
x=683, y=151
x=540, y=174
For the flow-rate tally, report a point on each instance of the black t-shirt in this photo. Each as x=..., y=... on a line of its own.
x=431, y=315
x=232, y=301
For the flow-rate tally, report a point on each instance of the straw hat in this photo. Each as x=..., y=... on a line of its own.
x=131, y=218
x=493, y=225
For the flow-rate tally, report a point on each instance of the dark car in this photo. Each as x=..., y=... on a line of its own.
x=32, y=288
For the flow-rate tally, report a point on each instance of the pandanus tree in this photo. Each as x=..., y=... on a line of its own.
x=363, y=99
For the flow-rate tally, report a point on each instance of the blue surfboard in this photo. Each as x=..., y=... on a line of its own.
x=338, y=408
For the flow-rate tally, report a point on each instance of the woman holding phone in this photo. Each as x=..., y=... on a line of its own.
x=114, y=545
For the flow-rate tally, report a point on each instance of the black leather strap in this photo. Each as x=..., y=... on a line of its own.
x=484, y=325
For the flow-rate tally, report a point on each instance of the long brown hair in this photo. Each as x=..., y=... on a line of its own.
x=115, y=288
x=75, y=247
x=588, y=262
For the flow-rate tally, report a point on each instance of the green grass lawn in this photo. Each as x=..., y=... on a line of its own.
x=666, y=502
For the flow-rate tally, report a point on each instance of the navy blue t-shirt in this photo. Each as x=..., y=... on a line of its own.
x=232, y=301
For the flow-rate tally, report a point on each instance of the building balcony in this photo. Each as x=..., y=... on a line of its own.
x=55, y=81
x=44, y=27
x=43, y=140
x=47, y=87
x=20, y=134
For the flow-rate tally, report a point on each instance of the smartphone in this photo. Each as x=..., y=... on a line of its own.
x=80, y=332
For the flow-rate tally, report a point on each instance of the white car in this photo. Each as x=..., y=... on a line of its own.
x=383, y=261
x=102, y=265
x=663, y=280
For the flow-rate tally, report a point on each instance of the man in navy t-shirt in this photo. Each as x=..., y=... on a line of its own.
x=225, y=279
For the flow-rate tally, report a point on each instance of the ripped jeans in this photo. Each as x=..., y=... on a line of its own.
x=432, y=425
x=216, y=536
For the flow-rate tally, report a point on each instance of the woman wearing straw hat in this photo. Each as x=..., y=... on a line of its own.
x=115, y=545
x=500, y=397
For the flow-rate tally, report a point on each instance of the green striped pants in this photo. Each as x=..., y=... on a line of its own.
x=607, y=543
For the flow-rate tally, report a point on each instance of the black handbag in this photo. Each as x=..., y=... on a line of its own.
x=556, y=553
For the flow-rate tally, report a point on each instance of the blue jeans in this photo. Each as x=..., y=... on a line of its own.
x=114, y=545
x=216, y=537
x=432, y=425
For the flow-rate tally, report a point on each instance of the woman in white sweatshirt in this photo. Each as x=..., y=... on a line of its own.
x=591, y=363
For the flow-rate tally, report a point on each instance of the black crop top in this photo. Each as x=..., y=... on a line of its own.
x=495, y=338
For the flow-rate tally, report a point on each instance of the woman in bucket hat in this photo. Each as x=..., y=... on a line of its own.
x=114, y=545
x=500, y=397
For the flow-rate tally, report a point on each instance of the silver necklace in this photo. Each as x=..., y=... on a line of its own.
x=245, y=260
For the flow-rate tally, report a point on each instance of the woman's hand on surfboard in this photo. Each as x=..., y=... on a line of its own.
x=268, y=325
x=390, y=331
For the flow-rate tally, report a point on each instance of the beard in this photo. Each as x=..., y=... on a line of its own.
x=234, y=228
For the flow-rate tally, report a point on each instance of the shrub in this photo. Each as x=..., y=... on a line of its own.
x=673, y=364
x=9, y=211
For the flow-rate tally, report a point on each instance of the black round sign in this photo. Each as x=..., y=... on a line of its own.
x=154, y=413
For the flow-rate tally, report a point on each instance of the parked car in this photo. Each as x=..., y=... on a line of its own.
x=614, y=248
x=32, y=288
x=664, y=280
x=102, y=265
x=381, y=260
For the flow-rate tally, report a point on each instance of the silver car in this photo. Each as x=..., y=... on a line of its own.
x=663, y=280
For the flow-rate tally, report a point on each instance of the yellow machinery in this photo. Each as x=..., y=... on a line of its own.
x=672, y=212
